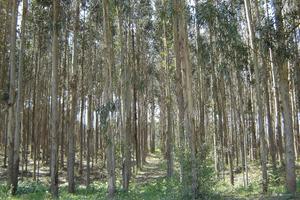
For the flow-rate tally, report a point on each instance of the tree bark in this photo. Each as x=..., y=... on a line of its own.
x=281, y=64
x=110, y=135
x=12, y=90
x=73, y=86
x=19, y=108
x=259, y=94
x=54, y=114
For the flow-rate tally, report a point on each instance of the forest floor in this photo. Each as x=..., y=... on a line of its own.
x=148, y=183
x=151, y=170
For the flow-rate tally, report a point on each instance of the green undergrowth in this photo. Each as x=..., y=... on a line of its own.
x=161, y=188
x=276, y=186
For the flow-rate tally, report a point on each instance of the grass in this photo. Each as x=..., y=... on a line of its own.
x=150, y=184
x=276, y=185
x=159, y=189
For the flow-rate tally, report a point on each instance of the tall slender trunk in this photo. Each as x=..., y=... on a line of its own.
x=19, y=109
x=82, y=106
x=73, y=84
x=259, y=93
x=152, y=133
x=169, y=139
x=89, y=140
x=187, y=83
x=109, y=61
x=126, y=94
x=12, y=90
x=277, y=110
x=180, y=97
x=54, y=114
x=282, y=65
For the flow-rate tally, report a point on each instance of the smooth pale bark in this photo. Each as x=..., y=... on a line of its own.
x=54, y=114
x=179, y=94
x=20, y=103
x=232, y=129
x=82, y=94
x=152, y=133
x=81, y=128
x=169, y=135
x=201, y=78
x=259, y=94
x=241, y=127
x=269, y=120
x=110, y=135
x=135, y=102
x=280, y=61
x=12, y=90
x=215, y=103
x=34, y=100
x=187, y=85
x=275, y=100
x=277, y=111
x=89, y=140
x=73, y=86
x=265, y=76
x=126, y=95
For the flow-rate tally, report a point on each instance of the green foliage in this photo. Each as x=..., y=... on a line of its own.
x=26, y=190
x=160, y=189
x=27, y=187
x=221, y=22
x=4, y=191
x=105, y=110
x=205, y=178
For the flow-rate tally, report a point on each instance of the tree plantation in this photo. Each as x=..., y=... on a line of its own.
x=150, y=99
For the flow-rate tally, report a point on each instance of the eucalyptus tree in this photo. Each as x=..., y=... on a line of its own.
x=20, y=101
x=281, y=63
x=74, y=80
x=11, y=100
x=126, y=85
x=258, y=92
x=183, y=59
x=109, y=96
x=54, y=111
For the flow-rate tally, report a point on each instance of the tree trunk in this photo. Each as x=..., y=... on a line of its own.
x=12, y=90
x=281, y=64
x=169, y=135
x=19, y=109
x=109, y=95
x=54, y=114
x=73, y=86
x=179, y=94
x=89, y=139
x=259, y=94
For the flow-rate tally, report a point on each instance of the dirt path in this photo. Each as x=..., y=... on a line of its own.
x=152, y=170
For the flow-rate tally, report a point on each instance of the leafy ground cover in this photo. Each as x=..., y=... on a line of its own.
x=150, y=183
